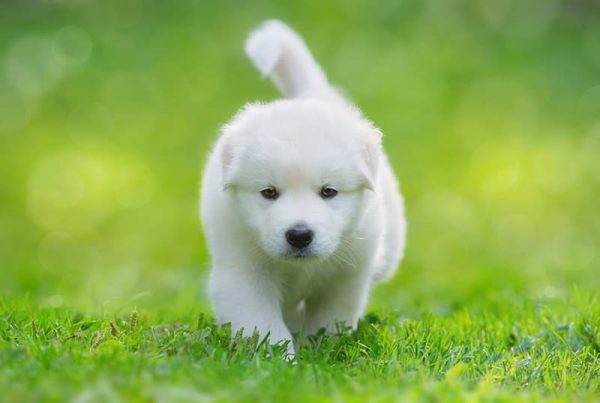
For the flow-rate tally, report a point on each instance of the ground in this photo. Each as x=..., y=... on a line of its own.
x=507, y=349
x=491, y=119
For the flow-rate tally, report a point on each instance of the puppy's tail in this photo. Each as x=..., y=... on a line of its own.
x=280, y=54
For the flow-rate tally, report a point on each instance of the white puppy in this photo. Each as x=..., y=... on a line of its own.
x=300, y=207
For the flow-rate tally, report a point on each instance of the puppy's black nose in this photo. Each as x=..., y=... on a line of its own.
x=299, y=236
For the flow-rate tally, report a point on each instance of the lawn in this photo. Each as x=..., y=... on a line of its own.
x=515, y=350
x=491, y=118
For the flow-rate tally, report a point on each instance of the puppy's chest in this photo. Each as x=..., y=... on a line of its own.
x=301, y=283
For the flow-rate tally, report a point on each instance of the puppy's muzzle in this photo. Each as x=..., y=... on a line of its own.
x=299, y=236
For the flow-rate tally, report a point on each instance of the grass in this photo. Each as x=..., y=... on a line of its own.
x=491, y=118
x=505, y=350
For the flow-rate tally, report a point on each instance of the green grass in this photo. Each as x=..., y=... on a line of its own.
x=504, y=350
x=491, y=118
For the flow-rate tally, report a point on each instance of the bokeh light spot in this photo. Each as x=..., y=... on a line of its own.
x=496, y=168
x=32, y=66
x=554, y=168
x=495, y=108
x=14, y=112
x=588, y=106
x=495, y=12
x=90, y=125
x=68, y=192
x=134, y=185
x=591, y=152
x=73, y=45
x=72, y=192
x=592, y=43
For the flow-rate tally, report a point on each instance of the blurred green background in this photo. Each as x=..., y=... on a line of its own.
x=490, y=110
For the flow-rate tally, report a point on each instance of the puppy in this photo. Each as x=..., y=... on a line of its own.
x=300, y=208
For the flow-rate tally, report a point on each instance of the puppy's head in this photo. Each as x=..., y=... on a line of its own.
x=298, y=171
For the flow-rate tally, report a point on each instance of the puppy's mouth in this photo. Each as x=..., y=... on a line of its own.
x=299, y=254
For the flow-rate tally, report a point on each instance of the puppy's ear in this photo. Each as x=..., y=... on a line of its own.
x=370, y=151
x=231, y=140
x=227, y=161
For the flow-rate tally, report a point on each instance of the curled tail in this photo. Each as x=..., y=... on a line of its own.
x=280, y=54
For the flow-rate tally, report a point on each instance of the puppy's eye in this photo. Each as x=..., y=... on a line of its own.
x=270, y=193
x=327, y=192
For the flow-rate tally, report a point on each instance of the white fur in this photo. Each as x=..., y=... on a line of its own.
x=298, y=145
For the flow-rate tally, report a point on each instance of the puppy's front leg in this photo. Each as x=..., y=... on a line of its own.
x=249, y=300
x=342, y=301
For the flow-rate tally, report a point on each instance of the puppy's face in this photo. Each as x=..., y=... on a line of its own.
x=298, y=171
